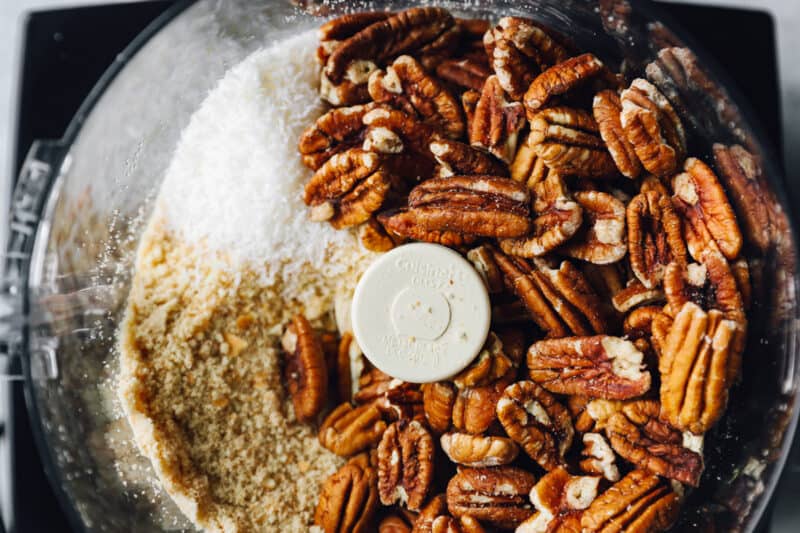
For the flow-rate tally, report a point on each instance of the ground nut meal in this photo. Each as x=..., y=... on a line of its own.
x=611, y=252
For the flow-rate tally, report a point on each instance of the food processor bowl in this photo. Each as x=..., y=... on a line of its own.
x=82, y=201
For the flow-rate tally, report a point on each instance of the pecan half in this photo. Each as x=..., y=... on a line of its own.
x=489, y=365
x=560, y=300
x=635, y=294
x=606, y=108
x=534, y=419
x=568, y=140
x=402, y=32
x=483, y=261
x=374, y=237
x=497, y=122
x=601, y=367
x=397, y=399
x=476, y=205
x=405, y=85
x=404, y=139
x=558, y=492
x=459, y=158
x=496, y=496
x=638, y=435
x=560, y=79
x=435, y=507
x=652, y=127
x=347, y=430
x=639, y=502
x=518, y=49
x=582, y=420
x=741, y=172
x=478, y=450
x=599, y=457
x=700, y=198
x=333, y=32
x=558, y=218
x=438, y=399
x=405, y=464
x=306, y=370
x=475, y=408
x=694, y=368
x=348, y=188
x=406, y=223
x=468, y=72
x=602, y=238
x=336, y=131
x=348, y=500
x=654, y=237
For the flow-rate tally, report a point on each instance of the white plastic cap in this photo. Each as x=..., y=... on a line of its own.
x=421, y=313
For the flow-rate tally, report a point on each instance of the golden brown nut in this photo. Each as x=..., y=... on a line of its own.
x=582, y=420
x=560, y=79
x=469, y=72
x=601, y=367
x=489, y=365
x=497, y=122
x=518, y=49
x=438, y=400
x=475, y=408
x=694, y=368
x=347, y=430
x=401, y=33
x=637, y=434
x=477, y=205
x=394, y=524
x=602, y=239
x=654, y=237
x=336, y=131
x=459, y=158
x=741, y=172
x=606, y=109
x=567, y=139
x=478, y=450
x=558, y=492
x=653, y=128
x=405, y=224
x=483, y=261
x=435, y=507
x=347, y=189
x=537, y=422
x=635, y=294
x=599, y=457
x=560, y=301
x=638, y=503
x=306, y=370
x=405, y=464
x=348, y=500
x=700, y=198
x=406, y=86
x=638, y=323
x=496, y=496
x=374, y=237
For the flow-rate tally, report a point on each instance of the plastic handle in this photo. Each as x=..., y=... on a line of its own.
x=40, y=169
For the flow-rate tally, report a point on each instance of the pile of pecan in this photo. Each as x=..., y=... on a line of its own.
x=613, y=259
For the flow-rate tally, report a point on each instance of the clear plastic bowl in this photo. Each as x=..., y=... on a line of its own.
x=82, y=200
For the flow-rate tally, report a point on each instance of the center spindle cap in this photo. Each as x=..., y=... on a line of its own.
x=421, y=313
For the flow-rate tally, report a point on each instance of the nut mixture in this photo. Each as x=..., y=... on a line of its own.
x=613, y=260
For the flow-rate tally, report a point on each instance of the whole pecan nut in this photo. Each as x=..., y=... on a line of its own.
x=534, y=419
x=568, y=140
x=306, y=369
x=459, y=158
x=654, y=237
x=639, y=436
x=601, y=367
x=347, y=430
x=638, y=502
x=560, y=79
x=700, y=198
x=741, y=172
x=348, y=188
x=606, y=108
x=496, y=496
x=602, y=239
x=653, y=128
x=476, y=205
x=348, y=500
x=694, y=368
x=405, y=464
x=405, y=85
x=497, y=122
x=478, y=450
